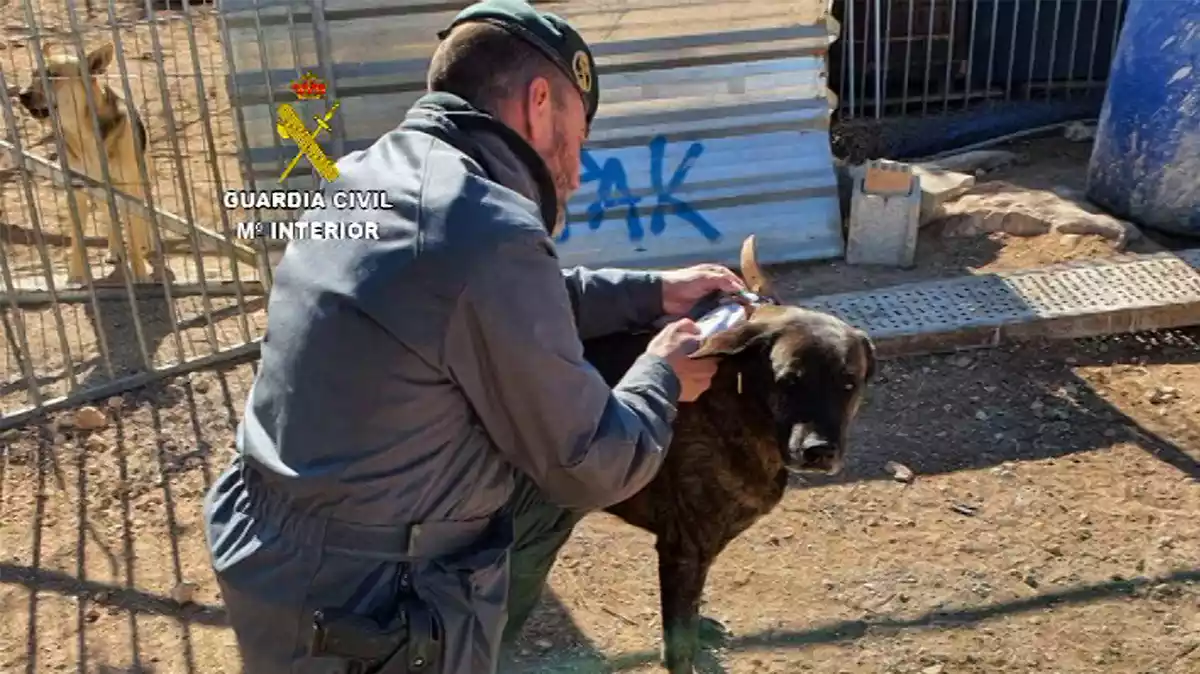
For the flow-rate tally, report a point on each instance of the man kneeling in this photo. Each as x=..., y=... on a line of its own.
x=423, y=432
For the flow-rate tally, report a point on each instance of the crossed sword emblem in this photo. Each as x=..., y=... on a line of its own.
x=289, y=126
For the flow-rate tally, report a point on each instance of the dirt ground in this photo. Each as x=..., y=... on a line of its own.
x=1051, y=526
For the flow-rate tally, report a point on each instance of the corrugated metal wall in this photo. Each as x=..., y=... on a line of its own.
x=713, y=124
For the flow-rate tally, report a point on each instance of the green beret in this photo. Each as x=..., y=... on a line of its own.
x=550, y=34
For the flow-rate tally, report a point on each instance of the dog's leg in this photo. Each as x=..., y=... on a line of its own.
x=681, y=578
x=77, y=258
x=139, y=245
x=116, y=252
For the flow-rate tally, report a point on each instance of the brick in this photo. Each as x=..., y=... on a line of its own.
x=887, y=178
x=883, y=226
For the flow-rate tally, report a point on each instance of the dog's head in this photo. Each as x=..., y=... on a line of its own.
x=810, y=370
x=66, y=76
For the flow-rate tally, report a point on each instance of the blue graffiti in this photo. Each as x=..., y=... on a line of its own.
x=613, y=192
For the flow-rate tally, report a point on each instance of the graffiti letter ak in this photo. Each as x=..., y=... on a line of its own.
x=613, y=192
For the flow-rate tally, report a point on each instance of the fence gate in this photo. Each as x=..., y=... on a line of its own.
x=119, y=138
x=920, y=77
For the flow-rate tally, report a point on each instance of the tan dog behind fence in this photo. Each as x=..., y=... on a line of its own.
x=122, y=139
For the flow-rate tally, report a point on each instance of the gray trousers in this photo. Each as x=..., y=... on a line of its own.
x=260, y=568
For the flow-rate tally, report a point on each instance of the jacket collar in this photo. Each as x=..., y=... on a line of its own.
x=506, y=157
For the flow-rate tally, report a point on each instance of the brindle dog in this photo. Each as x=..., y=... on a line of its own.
x=782, y=400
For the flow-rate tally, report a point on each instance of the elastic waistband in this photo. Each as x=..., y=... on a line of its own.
x=409, y=541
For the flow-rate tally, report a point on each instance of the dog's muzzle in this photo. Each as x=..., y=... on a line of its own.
x=26, y=99
x=808, y=451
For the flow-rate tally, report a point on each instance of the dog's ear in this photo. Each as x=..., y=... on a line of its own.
x=752, y=274
x=731, y=341
x=99, y=58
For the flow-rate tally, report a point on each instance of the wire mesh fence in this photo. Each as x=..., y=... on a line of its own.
x=921, y=57
x=119, y=263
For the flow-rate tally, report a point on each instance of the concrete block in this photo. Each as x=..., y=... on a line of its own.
x=1078, y=132
x=939, y=186
x=884, y=223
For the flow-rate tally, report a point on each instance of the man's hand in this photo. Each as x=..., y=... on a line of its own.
x=682, y=288
x=673, y=343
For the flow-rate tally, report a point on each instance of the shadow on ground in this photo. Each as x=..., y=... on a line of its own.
x=934, y=414
x=576, y=662
x=147, y=470
x=1019, y=403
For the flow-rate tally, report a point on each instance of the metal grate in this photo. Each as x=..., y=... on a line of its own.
x=1151, y=292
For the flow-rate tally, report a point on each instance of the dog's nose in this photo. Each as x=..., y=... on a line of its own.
x=798, y=439
x=810, y=451
x=802, y=440
x=24, y=96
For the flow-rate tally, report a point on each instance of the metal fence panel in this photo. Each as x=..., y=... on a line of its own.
x=907, y=57
x=75, y=171
x=713, y=121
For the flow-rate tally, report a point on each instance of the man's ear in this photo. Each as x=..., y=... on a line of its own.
x=539, y=114
x=731, y=341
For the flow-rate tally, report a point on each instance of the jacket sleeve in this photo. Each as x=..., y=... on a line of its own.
x=613, y=300
x=513, y=347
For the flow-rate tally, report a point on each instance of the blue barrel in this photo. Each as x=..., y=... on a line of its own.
x=1145, y=164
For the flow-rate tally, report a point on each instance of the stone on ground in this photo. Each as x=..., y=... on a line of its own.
x=1006, y=208
x=939, y=186
x=973, y=161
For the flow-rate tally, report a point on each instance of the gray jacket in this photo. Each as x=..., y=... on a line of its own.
x=405, y=381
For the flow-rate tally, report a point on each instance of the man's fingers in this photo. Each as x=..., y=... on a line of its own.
x=731, y=283
x=687, y=326
x=724, y=277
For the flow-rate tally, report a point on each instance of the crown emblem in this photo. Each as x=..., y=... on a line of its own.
x=308, y=87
